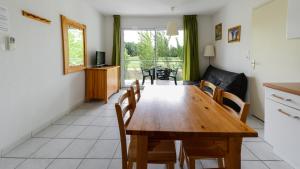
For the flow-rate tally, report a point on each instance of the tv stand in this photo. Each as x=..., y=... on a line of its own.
x=102, y=82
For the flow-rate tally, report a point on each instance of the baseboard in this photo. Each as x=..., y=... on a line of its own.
x=37, y=130
x=258, y=118
x=14, y=144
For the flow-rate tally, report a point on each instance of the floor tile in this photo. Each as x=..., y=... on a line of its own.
x=103, y=149
x=91, y=132
x=113, y=123
x=115, y=164
x=65, y=164
x=118, y=153
x=51, y=131
x=156, y=166
x=255, y=123
x=108, y=107
x=111, y=133
x=84, y=120
x=261, y=150
x=278, y=165
x=78, y=112
x=53, y=148
x=95, y=112
x=28, y=148
x=35, y=164
x=253, y=165
x=209, y=163
x=247, y=155
x=108, y=113
x=94, y=164
x=102, y=121
x=9, y=163
x=66, y=120
x=71, y=132
x=78, y=149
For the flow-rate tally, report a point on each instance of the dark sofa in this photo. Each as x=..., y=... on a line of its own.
x=235, y=83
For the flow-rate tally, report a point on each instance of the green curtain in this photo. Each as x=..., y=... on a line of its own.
x=191, y=70
x=116, y=54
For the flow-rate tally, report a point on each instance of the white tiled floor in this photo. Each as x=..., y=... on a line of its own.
x=88, y=138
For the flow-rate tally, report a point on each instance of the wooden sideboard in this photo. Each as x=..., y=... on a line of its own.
x=282, y=120
x=102, y=82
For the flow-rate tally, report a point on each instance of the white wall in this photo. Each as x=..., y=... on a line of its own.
x=135, y=22
x=205, y=23
x=33, y=89
x=232, y=56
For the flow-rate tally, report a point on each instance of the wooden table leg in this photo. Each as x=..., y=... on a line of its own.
x=142, y=148
x=233, y=157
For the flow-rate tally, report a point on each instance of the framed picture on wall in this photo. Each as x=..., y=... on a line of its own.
x=234, y=34
x=218, y=32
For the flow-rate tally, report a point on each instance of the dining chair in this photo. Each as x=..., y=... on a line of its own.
x=159, y=152
x=209, y=88
x=137, y=90
x=211, y=148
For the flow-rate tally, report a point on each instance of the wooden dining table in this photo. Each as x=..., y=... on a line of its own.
x=185, y=113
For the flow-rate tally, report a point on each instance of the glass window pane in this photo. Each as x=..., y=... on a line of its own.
x=76, y=47
x=151, y=49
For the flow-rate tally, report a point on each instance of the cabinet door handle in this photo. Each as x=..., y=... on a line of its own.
x=278, y=97
x=288, y=100
x=297, y=117
x=288, y=114
x=285, y=113
x=281, y=98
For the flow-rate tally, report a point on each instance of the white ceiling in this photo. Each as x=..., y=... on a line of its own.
x=157, y=7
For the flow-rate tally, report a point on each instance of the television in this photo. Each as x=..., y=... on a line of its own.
x=100, y=58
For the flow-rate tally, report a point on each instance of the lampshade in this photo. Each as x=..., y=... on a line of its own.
x=172, y=29
x=209, y=51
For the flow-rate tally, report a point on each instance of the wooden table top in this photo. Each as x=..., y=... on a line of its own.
x=293, y=88
x=184, y=111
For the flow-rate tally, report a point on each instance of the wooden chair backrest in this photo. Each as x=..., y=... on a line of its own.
x=124, y=112
x=136, y=89
x=205, y=84
x=244, y=107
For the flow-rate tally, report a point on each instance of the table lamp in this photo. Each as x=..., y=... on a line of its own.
x=209, y=52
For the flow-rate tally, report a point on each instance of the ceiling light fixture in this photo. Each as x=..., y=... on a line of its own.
x=172, y=26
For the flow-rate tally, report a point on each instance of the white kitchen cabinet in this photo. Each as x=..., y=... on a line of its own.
x=282, y=124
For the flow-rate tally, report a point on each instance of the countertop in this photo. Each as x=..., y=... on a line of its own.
x=293, y=88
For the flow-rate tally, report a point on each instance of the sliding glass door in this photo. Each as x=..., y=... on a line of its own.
x=150, y=49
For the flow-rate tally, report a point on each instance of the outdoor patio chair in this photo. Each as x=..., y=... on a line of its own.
x=147, y=73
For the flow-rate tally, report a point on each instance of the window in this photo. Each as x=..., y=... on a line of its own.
x=74, y=45
x=149, y=48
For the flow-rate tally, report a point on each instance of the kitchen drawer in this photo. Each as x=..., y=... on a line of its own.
x=282, y=129
x=288, y=99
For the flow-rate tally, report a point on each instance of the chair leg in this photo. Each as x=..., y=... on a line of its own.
x=130, y=165
x=221, y=163
x=143, y=80
x=151, y=77
x=170, y=165
x=181, y=156
x=191, y=164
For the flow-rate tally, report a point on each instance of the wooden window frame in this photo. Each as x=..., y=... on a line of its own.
x=65, y=24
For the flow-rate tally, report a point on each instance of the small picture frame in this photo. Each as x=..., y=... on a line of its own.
x=218, y=32
x=234, y=34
